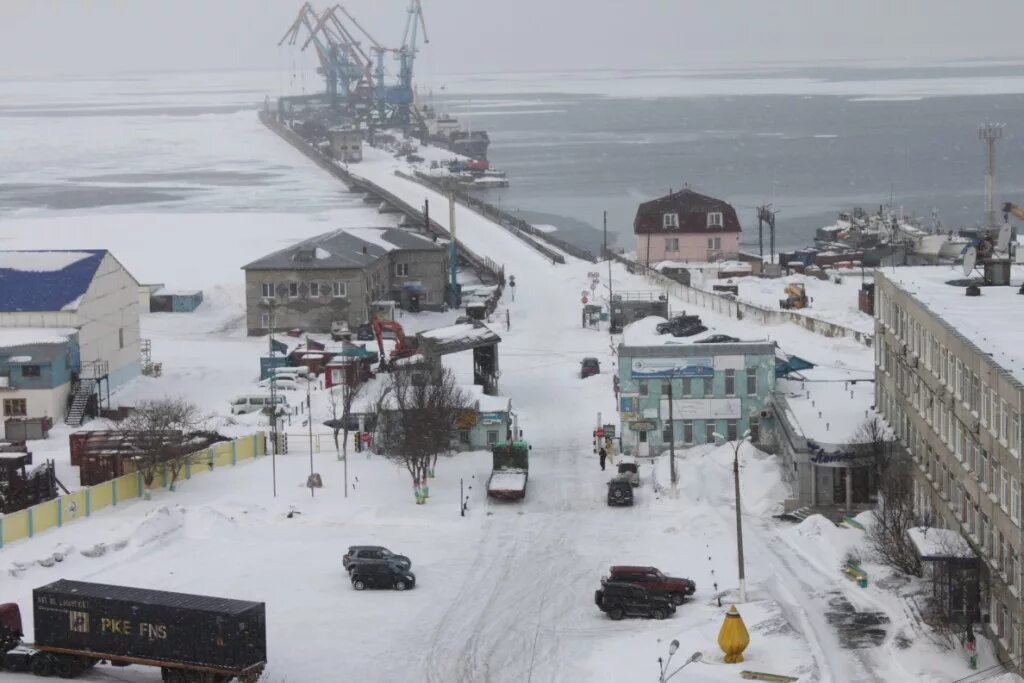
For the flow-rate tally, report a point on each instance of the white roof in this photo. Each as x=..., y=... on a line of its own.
x=21, y=336
x=994, y=321
x=931, y=542
x=41, y=261
x=486, y=403
x=375, y=236
x=825, y=408
x=644, y=333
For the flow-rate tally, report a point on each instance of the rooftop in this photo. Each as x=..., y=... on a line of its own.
x=932, y=543
x=993, y=322
x=341, y=249
x=11, y=337
x=692, y=207
x=52, y=280
x=644, y=334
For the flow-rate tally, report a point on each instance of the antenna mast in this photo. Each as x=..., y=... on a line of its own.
x=989, y=133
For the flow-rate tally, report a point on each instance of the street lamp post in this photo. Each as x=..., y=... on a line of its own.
x=739, y=519
x=671, y=433
x=663, y=665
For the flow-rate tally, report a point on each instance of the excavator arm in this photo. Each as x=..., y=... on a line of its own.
x=402, y=349
x=1011, y=208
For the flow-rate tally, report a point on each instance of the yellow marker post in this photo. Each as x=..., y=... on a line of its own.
x=733, y=637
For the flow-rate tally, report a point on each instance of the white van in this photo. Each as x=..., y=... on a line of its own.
x=253, y=402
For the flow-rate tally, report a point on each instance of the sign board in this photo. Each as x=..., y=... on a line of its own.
x=626, y=405
x=702, y=408
x=643, y=425
x=494, y=418
x=600, y=433
x=466, y=419
x=664, y=368
x=366, y=437
x=609, y=431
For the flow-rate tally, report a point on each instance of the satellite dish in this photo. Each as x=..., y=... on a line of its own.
x=1003, y=242
x=970, y=258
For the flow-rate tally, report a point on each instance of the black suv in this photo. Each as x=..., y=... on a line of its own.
x=620, y=491
x=382, y=575
x=677, y=322
x=373, y=554
x=626, y=600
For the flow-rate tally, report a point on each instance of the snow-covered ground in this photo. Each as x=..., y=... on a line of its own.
x=831, y=301
x=506, y=593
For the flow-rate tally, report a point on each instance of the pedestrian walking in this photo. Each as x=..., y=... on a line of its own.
x=603, y=454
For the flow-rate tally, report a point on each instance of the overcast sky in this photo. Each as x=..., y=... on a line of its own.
x=103, y=36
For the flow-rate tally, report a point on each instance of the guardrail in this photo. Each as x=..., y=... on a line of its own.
x=481, y=264
x=741, y=310
x=482, y=208
x=87, y=500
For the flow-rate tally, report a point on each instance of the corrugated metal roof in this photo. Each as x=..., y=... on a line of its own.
x=48, y=280
x=342, y=249
x=145, y=596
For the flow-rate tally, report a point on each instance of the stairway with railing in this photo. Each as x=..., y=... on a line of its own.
x=83, y=391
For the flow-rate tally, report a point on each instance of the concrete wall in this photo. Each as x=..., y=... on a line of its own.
x=692, y=246
x=108, y=321
x=39, y=403
x=310, y=313
x=917, y=400
x=429, y=268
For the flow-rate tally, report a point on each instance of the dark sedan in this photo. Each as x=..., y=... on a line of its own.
x=717, y=339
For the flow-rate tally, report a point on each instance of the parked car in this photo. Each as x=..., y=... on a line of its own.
x=676, y=321
x=717, y=339
x=282, y=382
x=382, y=575
x=688, y=330
x=619, y=600
x=628, y=470
x=365, y=332
x=373, y=554
x=340, y=331
x=620, y=491
x=254, y=402
x=589, y=366
x=676, y=589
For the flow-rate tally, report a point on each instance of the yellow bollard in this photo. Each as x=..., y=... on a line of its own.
x=733, y=637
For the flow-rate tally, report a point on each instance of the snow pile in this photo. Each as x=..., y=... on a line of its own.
x=822, y=542
x=158, y=525
x=644, y=332
x=40, y=261
x=705, y=473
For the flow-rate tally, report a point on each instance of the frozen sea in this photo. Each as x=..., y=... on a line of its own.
x=815, y=140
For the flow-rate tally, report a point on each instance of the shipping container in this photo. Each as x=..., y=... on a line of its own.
x=158, y=627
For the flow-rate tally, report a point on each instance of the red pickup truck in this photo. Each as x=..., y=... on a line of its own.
x=649, y=578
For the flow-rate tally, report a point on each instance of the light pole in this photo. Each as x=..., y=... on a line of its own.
x=739, y=519
x=663, y=666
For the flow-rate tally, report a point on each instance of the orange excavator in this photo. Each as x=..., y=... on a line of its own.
x=404, y=346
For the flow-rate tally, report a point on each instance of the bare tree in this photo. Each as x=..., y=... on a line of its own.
x=340, y=400
x=160, y=433
x=416, y=422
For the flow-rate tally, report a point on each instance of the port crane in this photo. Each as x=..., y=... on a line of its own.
x=352, y=76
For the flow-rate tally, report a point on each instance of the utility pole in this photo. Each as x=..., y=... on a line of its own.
x=452, y=254
x=309, y=419
x=273, y=394
x=671, y=433
x=608, y=256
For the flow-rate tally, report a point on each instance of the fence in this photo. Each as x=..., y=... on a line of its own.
x=82, y=503
x=740, y=309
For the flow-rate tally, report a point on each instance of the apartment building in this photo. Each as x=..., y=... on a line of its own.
x=949, y=370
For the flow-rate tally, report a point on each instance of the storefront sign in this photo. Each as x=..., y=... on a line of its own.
x=491, y=418
x=664, y=368
x=643, y=425
x=702, y=408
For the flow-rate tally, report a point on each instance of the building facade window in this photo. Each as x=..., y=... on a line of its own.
x=339, y=290
x=267, y=290
x=687, y=386
x=672, y=244
x=31, y=371
x=293, y=290
x=732, y=429
x=687, y=431
x=1015, y=500
x=714, y=243
x=401, y=270
x=464, y=437
x=642, y=387
x=751, y=381
x=492, y=437
x=265, y=320
x=709, y=431
x=707, y=386
x=666, y=387
x=730, y=382
x=666, y=432
x=715, y=219
x=670, y=221
x=314, y=289
x=1004, y=496
x=15, y=407
x=120, y=337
